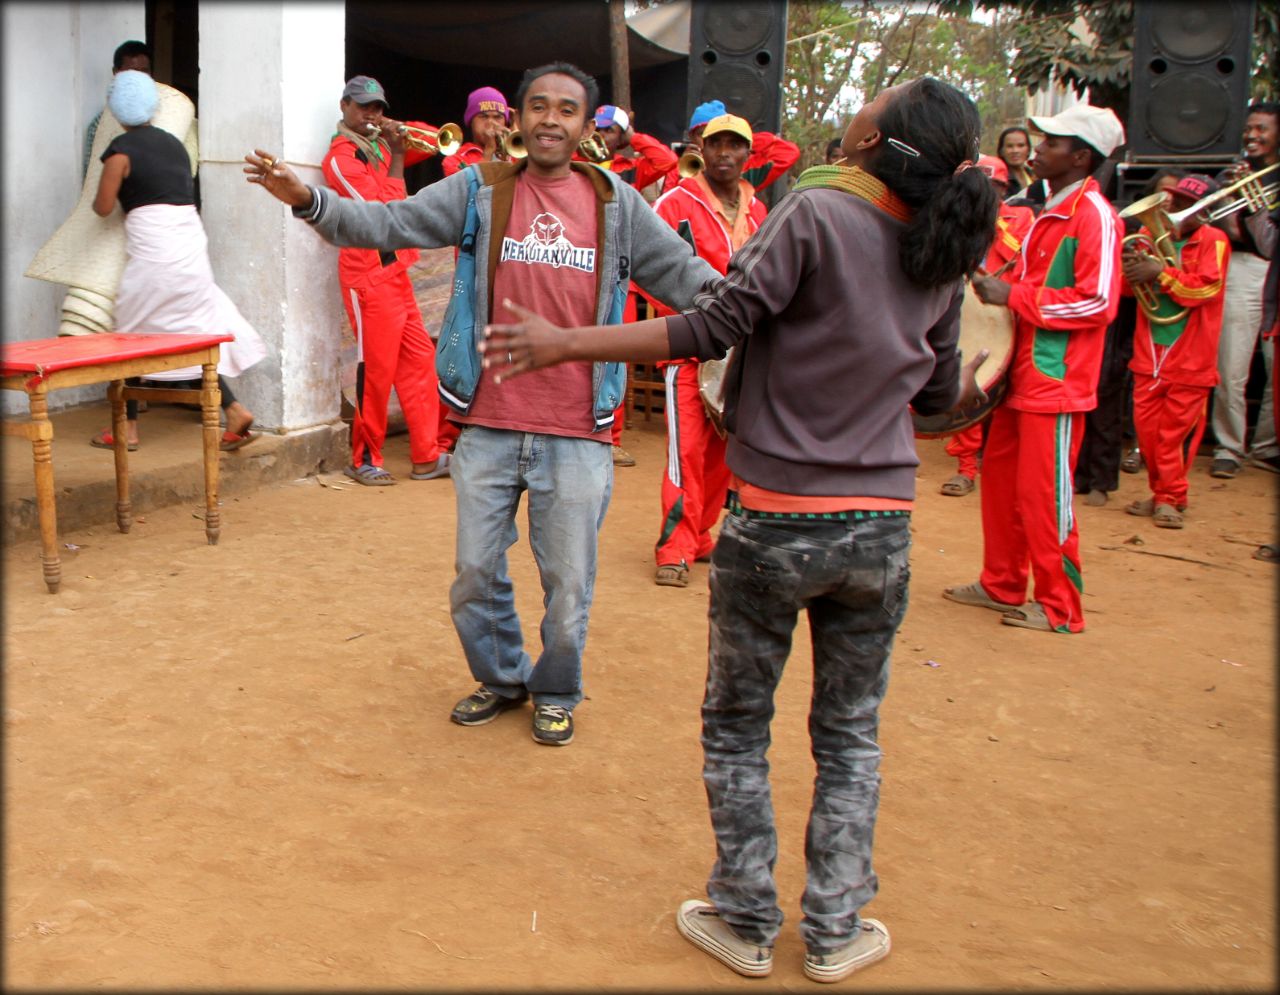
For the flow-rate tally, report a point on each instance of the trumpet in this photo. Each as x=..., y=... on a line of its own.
x=690, y=163
x=445, y=140
x=1246, y=192
x=511, y=145
x=1151, y=211
x=593, y=149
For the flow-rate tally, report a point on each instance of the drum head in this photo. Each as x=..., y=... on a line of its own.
x=982, y=326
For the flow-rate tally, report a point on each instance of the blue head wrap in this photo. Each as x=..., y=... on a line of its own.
x=705, y=112
x=133, y=98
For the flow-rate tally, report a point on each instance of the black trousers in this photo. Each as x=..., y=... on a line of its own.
x=1107, y=425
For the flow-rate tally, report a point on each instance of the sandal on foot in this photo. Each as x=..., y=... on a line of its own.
x=1166, y=516
x=1269, y=553
x=1143, y=509
x=976, y=595
x=370, y=475
x=232, y=441
x=1132, y=461
x=441, y=469
x=957, y=486
x=671, y=575
x=105, y=440
x=1032, y=616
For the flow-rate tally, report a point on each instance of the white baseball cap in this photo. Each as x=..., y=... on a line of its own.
x=1097, y=126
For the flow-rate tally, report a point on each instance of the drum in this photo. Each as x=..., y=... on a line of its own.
x=711, y=389
x=982, y=326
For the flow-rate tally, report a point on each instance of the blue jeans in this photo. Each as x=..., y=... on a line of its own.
x=851, y=577
x=569, y=483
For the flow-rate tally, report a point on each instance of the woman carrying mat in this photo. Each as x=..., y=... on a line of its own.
x=168, y=283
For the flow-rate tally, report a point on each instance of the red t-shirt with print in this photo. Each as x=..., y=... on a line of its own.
x=548, y=264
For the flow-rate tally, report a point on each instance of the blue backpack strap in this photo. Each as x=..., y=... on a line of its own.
x=457, y=362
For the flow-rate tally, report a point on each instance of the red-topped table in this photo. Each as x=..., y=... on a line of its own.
x=41, y=365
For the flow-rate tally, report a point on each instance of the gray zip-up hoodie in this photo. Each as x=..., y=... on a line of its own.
x=833, y=342
x=633, y=244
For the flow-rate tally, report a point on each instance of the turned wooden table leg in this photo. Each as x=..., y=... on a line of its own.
x=41, y=433
x=120, y=430
x=210, y=402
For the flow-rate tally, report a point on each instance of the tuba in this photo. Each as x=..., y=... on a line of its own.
x=1160, y=244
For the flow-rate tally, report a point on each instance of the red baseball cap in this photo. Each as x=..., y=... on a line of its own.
x=994, y=167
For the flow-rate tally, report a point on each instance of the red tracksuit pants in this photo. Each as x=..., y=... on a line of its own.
x=1164, y=414
x=1027, y=520
x=965, y=446
x=392, y=350
x=697, y=480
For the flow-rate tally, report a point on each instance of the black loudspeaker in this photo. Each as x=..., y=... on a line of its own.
x=736, y=52
x=1190, y=82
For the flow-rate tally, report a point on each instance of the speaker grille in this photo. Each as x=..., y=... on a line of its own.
x=738, y=28
x=1193, y=32
x=1187, y=113
x=741, y=88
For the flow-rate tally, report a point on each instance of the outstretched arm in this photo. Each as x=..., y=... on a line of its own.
x=533, y=342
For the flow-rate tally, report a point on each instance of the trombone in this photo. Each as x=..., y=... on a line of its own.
x=445, y=140
x=1246, y=192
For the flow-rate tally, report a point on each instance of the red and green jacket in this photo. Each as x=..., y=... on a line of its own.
x=1066, y=294
x=1186, y=351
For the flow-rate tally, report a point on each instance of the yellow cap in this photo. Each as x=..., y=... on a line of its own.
x=727, y=122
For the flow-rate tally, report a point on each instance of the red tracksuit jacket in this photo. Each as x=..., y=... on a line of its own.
x=1067, y=292
x=350, y=172
x=1191, y=355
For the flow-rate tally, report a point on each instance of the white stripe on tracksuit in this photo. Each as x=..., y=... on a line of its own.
x=359, y=329
x=673, y=426
x=1062, y=472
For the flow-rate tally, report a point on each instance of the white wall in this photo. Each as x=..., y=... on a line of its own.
x=56, y=66
x=271, y=75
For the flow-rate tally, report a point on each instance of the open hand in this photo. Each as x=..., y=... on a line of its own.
x=971, y=394
x=279, y=180
x=530, y=344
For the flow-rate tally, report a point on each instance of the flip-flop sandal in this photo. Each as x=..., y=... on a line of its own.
x=975, y=594
x=369, y=475
x=441, y=470
x=1143, y=509
x=1270, y=553
x=1166, y=516
x=106, y=440
x=232, y=441
x=672, y=575
x=1031, y=616
x=957, y=486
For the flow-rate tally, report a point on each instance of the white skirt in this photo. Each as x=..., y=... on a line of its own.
x=168, y=287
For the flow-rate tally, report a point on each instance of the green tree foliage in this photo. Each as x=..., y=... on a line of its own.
x=1085, y=44
x=840, y=55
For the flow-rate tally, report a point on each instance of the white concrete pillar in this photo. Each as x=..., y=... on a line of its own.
x=56, y=67
x=271, y=75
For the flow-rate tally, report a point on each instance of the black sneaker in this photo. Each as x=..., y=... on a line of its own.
x=483, y=705
x=552, y=725
x=1224, y=469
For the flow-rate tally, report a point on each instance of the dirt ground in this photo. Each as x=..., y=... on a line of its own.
x=232, y=766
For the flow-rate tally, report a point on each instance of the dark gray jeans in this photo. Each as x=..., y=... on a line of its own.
x=852, y=579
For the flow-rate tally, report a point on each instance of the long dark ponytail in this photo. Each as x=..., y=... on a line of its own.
x=928, y=130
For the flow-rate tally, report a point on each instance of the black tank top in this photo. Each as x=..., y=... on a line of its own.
x=159, y=169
